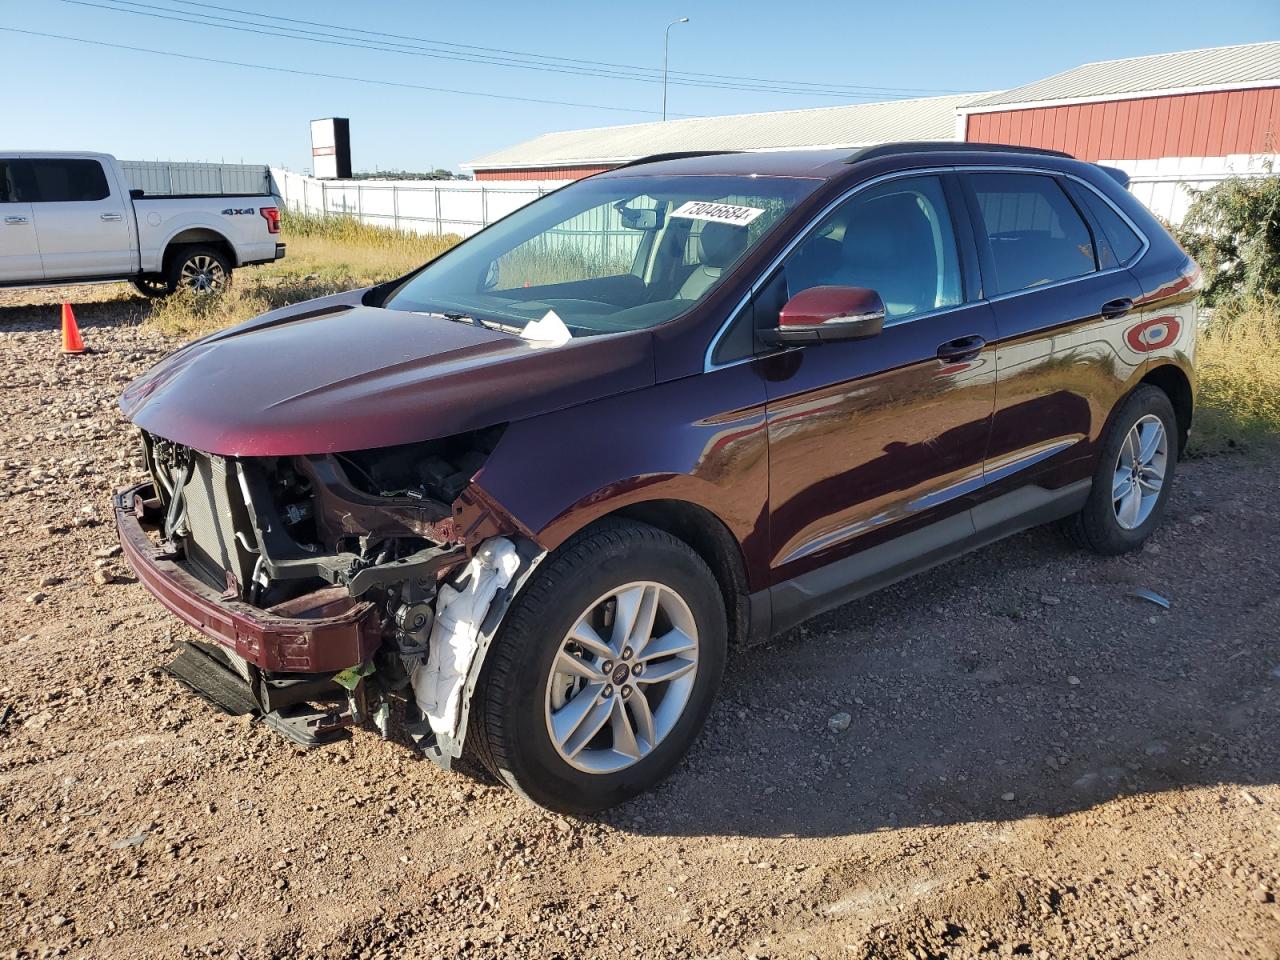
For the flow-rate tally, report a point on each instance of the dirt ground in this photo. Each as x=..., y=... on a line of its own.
x=1037, y=764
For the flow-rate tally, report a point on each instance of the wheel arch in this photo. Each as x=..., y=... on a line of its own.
x=709, y=537
x=1176, y=385
x=198, y=236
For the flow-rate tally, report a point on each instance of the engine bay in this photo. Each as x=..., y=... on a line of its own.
x=373, y=543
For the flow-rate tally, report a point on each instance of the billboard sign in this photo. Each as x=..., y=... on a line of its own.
x=331, y=148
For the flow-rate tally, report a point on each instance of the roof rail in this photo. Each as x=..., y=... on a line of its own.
x=946, y=146
x=677, y=155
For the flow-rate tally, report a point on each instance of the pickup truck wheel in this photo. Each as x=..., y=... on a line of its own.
x=152, y=285
x=200, y=270
x=1133, y=478
x=604, y=671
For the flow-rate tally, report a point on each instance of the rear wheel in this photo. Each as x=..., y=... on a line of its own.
x=1133, y=478
x=199, y=269
x=604, y=671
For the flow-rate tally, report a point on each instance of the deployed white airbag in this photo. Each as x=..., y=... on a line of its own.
x=437, y=684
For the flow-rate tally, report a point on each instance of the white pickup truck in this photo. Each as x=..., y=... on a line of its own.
x=71, y=218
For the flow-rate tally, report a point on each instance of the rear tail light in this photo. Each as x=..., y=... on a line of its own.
x=272, y=216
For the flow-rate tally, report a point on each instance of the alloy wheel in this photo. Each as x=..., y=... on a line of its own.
x=622, y=677
x=1140, y=472
x=203, y=274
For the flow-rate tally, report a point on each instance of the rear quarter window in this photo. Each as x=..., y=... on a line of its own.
x=1121, y=238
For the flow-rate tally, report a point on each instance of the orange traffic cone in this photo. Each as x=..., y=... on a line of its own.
x=71, y=342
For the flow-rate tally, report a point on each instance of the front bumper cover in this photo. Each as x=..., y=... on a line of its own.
x=335, y=633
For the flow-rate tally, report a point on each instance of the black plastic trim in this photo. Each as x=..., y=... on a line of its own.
x=811, y=594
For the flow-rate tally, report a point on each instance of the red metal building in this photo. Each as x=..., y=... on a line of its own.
x=1182, y=125
x=1201, y=103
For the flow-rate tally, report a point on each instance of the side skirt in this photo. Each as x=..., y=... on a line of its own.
x=796, y=600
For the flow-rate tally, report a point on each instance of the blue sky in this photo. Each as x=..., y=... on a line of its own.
x=147, y=106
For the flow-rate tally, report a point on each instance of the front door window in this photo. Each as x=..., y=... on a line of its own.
x=896, y=239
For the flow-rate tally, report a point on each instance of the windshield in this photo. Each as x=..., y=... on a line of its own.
x=619, y=253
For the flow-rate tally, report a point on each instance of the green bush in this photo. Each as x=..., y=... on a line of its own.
x=1233, y=231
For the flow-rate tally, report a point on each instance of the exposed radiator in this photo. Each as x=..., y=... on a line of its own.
x=209, y=516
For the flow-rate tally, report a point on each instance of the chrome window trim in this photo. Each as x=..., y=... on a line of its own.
x=1049, y=286
x=926, y=314
x=708, y=365
x=1138, y=231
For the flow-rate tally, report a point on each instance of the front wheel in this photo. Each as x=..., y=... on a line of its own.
x=604, y=671
x=152, y=285
x=1133, y=478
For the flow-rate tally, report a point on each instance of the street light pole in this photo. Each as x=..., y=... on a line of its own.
x=666, y=46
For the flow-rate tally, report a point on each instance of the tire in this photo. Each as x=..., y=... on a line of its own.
x=199, y=269
x=152, y=285
x=520, y=699
x=1109, y=525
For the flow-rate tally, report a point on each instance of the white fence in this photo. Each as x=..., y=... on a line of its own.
x=159, y=178
x=1166, y=185
x=419, y=206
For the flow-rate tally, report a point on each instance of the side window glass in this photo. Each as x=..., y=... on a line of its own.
x=1035, y=233
x=895, y=238
x=1123, y=241
x=8, y=185
x=68, y=181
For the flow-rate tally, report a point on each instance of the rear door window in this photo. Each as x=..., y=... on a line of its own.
x=1035, y=233
x=59, y=180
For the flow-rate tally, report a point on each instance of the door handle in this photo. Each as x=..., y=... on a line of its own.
x=961, y=349
x=16, y=220
x=111, y=217
x=1116, y=308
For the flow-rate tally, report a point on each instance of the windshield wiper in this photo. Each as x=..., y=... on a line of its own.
x=457, y=316
x=465, y=318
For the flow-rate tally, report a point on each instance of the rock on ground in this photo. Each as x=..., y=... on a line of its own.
x=1140, y=747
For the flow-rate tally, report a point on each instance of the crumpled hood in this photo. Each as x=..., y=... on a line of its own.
x=331, y=375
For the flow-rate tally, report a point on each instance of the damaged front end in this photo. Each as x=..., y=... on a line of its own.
x=332, y=589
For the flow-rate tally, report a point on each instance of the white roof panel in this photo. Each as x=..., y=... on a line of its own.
x=1248, y=63
x=854, y=125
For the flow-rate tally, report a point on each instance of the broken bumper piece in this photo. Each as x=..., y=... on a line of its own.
x=318, y=664
x=207, y=672
x=324, y=632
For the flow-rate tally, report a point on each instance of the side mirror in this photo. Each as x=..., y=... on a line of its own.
x=136, y=194
x=828, y=313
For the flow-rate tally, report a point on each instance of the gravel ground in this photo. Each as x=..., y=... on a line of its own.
x=1008, y=756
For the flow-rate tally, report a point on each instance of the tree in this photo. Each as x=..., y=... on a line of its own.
x=1233, y=231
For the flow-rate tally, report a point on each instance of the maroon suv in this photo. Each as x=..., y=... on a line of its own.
x=517, y=507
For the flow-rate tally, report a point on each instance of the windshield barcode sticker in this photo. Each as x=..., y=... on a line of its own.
x=717, y=212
